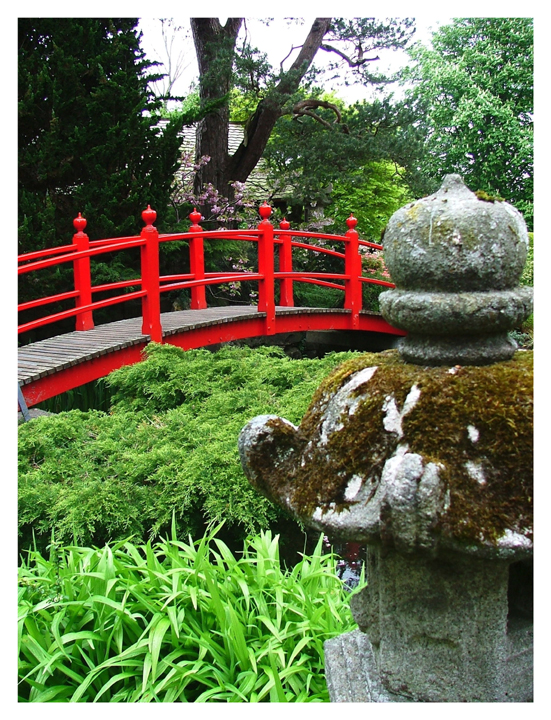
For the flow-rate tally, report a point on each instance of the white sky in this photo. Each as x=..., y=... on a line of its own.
x=276, y=40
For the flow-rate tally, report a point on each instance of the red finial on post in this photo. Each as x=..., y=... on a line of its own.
x=83, y=281
x=265, y=210
x=195, y=217
x=284, y=224
x=351, y=222
x=79, y=223
x=148, y=216
x=197, y=261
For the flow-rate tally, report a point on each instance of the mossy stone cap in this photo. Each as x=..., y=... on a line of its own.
x=454, y=241
x=422, y=459
x=456, y=261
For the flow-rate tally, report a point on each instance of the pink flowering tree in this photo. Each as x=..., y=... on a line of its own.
x=239, y=213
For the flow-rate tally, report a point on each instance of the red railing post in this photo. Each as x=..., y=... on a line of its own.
x=286, y=265
x=151, y=302
x=353, y=269
x=83, y=280
x=266, y=301
x=197, y=262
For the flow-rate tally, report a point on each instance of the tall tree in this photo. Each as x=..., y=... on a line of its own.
x=215, y=48
x=351, y=41
x=88, y=143
x=474, y=94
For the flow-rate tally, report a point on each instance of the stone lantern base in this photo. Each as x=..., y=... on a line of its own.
x=453, y=630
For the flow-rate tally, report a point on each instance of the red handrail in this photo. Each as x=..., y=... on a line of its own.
x=151, y=284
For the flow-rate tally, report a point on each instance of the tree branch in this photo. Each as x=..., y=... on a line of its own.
x=286, y=56
x=304, y=108
x=352, y=63
x=268, y=111
x=290, y=82
x=303, y=105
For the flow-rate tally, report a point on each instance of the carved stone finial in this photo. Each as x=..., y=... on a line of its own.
x=456, y=261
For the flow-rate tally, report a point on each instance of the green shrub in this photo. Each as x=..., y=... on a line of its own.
x=177, y=622
x=311, y=295
x=168, y=445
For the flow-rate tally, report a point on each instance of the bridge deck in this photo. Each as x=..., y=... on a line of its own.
x=50, y=356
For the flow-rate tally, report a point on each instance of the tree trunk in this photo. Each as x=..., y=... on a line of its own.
x=215, y=47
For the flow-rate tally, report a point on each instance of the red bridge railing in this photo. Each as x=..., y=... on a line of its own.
x=151, y=284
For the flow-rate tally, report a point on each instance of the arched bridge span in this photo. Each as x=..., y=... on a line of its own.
x=52, y=366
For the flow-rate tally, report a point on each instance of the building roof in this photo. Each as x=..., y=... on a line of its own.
x=257, y=186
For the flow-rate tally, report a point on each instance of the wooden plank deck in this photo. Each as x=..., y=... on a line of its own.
x=47, y=357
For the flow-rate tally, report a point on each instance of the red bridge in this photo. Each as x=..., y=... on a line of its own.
x=52, y=366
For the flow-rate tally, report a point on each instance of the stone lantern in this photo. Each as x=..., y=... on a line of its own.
x=424, y=454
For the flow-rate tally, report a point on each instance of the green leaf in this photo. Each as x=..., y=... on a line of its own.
x=277, y=682
x=112, y=681
x=155, y=642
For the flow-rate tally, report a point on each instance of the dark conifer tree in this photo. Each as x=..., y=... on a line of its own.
x=87, y=138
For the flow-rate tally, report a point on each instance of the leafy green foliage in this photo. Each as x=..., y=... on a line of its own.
x=169, y=445
x=527, y=277
x=368, y=151
x=373, y=193
x=474, y=96
x=177, y=622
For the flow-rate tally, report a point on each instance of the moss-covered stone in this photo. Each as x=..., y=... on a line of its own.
x=452, y=241
x=456, y=259
x=483, y=195
x=471, y=425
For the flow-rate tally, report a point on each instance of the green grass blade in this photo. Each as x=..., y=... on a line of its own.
x=280, y=694
x=112, y=681
x=155, y=642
